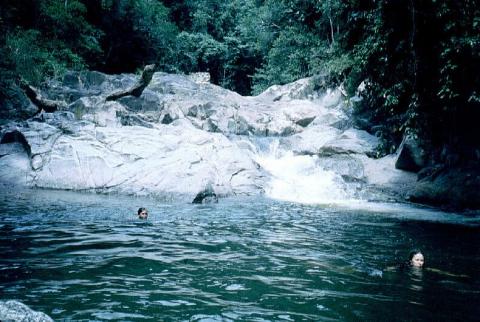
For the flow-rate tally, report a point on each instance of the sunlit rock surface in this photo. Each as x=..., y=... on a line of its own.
x=181, y=136
x=17, y=311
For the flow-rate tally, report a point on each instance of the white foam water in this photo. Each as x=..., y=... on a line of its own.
x=299, y=178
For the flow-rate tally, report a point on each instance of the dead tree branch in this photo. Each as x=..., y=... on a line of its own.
x=36, y=98
x=138, y=88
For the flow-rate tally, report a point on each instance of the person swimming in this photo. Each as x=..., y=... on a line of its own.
x=142, y=213
x=416, y=259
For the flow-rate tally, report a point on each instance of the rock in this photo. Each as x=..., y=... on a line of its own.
x=170, y=113
x=149, y=101
x=301, y=89
x=93, y=79
x=411, y=156
x=351, y=141
x=382, y=177
x=304, y=122
x=134, y=120
x=180, y=138
x=14, y=104
x=37, y=162
x=207, y=195
x=312, y=139
x=350, y=168
x=17, y=311
x=456, y=188
x=172, y=160
x=15, y=165
x=72, y=80
x=15, y=136
x=200, y=78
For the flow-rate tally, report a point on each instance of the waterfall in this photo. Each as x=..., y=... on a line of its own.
x=299, y=178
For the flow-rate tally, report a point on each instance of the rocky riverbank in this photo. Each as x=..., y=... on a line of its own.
x=182, y=135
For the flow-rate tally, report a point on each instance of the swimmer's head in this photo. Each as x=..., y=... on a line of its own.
x=142, y=213
x=416, y=258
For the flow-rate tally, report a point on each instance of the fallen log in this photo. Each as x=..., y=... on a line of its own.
x=36, y=98
x=137, y=89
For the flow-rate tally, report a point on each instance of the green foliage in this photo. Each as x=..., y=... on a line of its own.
x=137, y=32
x=35, y=59
x=199, y=52
x=64, y=22
x=288, y=60
x=59, y=38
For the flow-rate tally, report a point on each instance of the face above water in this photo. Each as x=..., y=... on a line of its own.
x=417, y=260
x=143, y=214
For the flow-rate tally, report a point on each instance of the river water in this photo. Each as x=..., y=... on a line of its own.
x=81, y=256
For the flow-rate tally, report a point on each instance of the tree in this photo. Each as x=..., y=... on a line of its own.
x=57, y=38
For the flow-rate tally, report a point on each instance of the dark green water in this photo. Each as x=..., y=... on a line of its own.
x=86, y=257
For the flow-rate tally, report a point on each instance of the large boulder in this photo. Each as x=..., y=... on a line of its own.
x=183, y=138
x=351, y=141
x=382, y=177
x=14, y=104
x=17, y=311
x=411, y=156
x=166, y=161
x=207, y=195
x=456, y=188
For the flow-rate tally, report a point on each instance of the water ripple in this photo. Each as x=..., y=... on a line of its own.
x=84, y=257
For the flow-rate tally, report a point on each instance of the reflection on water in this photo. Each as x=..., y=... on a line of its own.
x=87, y=257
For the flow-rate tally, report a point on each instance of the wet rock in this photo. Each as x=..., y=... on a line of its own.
x=17, y=311
x=207, y=195
x=72, y=80
x=411, y=156
x=351, y=141
x=180, y=136
x=456, y=188
x=14, y=104
x=94, y=79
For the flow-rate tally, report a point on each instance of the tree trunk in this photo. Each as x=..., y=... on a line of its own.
x=137, y=89
x=44, y=104
x=332, y=31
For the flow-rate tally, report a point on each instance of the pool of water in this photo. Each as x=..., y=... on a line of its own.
x=87, y=257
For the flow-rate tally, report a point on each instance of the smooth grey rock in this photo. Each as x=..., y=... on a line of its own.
x=72, y=80
x=15, y=164
x=200, y=78
x=37, y=162
x=351, y=141
x=301, y=89
x=180, y=136
x=382, y=177
x=164, y=161
x=93, y=79
x=17, y=311
x=148, y=101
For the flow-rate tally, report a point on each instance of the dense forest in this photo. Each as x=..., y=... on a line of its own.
x=419, y=60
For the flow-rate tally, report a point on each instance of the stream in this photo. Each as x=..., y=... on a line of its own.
x=78, y=256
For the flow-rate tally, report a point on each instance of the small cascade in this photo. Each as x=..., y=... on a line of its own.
x=299, y=178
